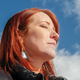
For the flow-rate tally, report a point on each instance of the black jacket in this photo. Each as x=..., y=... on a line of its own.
x=21, y=73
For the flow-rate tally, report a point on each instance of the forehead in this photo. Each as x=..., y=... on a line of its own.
x=40, y=16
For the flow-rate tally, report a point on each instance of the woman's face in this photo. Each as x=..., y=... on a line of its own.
x=40, y=40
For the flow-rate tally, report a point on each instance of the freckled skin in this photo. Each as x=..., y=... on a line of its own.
x=39, y=34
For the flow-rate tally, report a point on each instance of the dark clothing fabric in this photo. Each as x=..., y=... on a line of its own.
x=5, y=76
x=21, y=73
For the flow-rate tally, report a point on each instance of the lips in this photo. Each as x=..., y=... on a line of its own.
x=53, y=43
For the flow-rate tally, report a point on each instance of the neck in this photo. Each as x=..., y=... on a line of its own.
x=36, y=64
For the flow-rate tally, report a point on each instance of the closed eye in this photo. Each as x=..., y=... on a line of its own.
x=43, y=26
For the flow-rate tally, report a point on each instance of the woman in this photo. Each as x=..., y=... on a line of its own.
x=34, y=33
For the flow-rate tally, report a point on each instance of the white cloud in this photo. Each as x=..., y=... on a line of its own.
x=77, y=8
x=68, y=65
x=70, y=8
x=76, y=46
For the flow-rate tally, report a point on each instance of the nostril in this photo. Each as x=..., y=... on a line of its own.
x=53, y=36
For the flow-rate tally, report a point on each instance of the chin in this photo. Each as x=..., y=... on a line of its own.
x=50, y=55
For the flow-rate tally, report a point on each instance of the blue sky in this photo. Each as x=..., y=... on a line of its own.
x=68, y=15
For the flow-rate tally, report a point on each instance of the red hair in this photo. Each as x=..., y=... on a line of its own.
x=11, y=46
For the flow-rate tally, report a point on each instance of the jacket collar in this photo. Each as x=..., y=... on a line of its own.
x=25, y=74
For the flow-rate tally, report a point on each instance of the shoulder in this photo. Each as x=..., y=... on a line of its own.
x=5, y=76
x=52, y=77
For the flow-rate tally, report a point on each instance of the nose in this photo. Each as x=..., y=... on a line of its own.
x=54, y=35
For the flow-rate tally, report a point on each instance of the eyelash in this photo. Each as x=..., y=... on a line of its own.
x=44, y=26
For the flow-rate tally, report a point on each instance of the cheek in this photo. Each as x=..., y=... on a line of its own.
x=35, y=38
x=39, y=36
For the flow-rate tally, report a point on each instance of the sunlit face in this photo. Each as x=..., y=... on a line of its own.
x=40, y=40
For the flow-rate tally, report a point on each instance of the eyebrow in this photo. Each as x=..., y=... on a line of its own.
x=45, y=22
